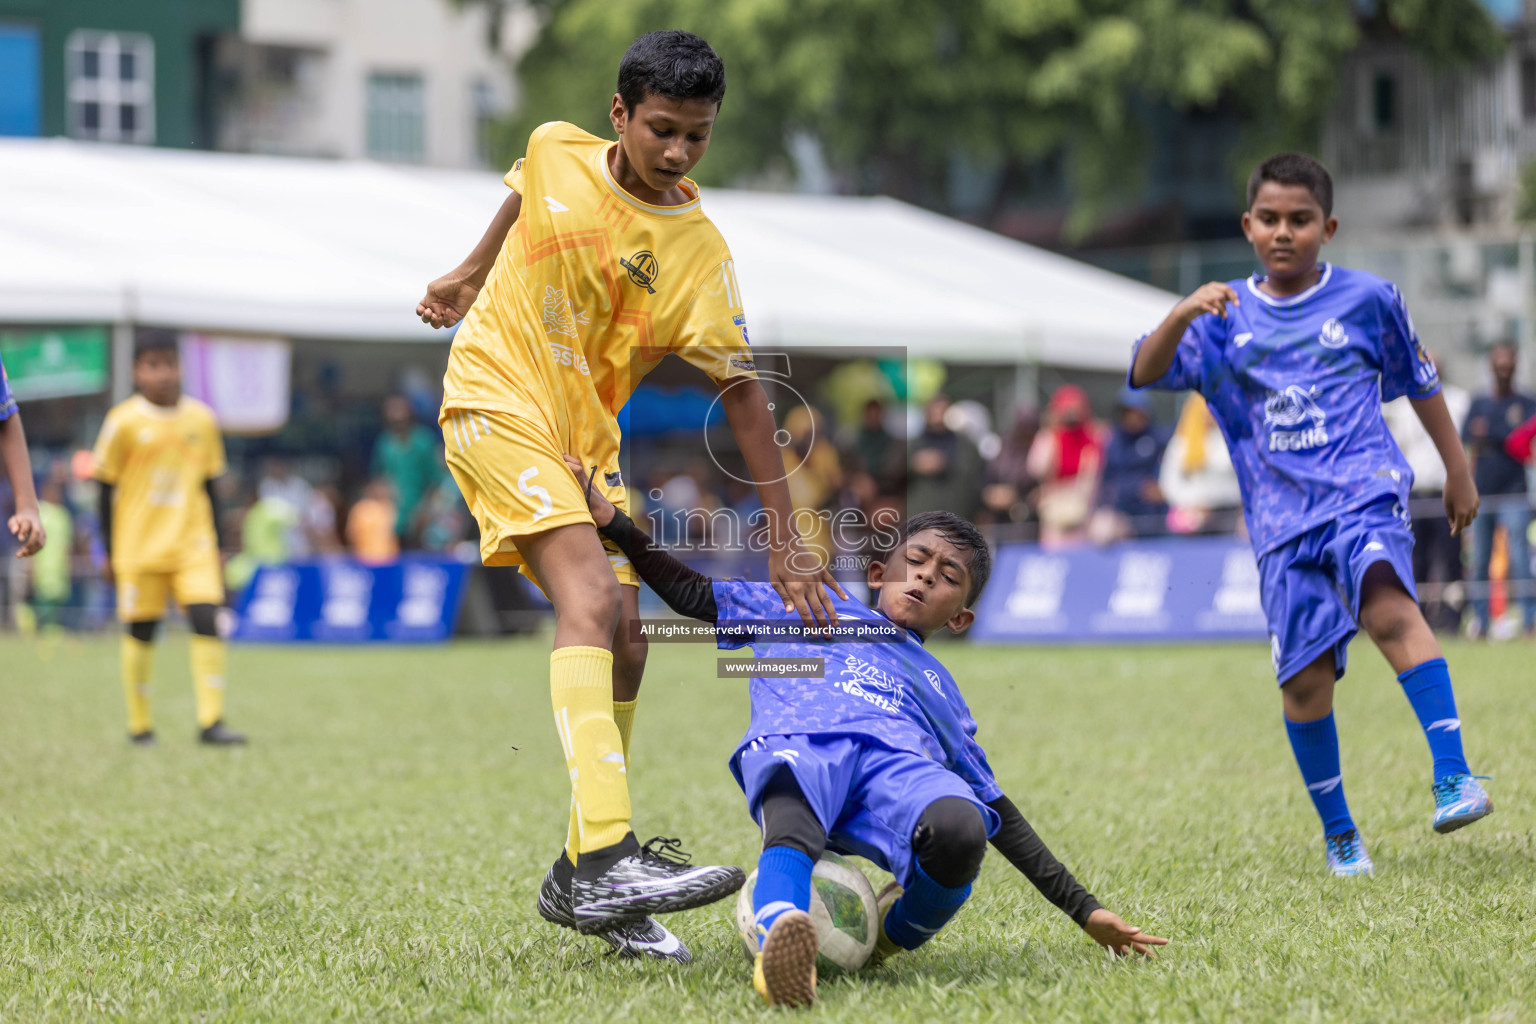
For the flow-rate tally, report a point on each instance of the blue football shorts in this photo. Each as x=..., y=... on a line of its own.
x=866, y=796
x=1311, y=583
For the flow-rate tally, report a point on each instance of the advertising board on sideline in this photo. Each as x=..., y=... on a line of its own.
x=1167, y=589
x=343, y=601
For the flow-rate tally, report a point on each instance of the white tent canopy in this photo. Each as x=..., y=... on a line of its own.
x=343, y=250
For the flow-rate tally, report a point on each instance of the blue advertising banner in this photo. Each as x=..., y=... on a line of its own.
x=340, y=601
x=1175, y=588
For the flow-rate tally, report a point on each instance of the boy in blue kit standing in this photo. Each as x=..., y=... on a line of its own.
x=878, y=759
x=26, y=524
x=1294, y=365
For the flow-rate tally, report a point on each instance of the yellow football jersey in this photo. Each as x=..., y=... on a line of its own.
x=160, y=460
x=591, y=289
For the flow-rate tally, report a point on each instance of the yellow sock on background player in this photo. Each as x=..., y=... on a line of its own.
x=208, y=660
x=137, y=660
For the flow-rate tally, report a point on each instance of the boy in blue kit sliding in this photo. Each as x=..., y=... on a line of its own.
x=1294, y=365
x=878, y=759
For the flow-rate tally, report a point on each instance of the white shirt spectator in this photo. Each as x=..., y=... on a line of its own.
x=1418, y=448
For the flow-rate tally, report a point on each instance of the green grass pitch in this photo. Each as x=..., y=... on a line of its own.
x=374, y=854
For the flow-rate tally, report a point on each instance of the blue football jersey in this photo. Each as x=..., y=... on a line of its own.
x=1296, y=386
x=892, y=692
x=7, y=400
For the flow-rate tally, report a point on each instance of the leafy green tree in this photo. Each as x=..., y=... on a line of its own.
x=896, y=92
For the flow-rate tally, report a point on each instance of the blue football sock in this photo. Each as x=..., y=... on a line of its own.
x=924, y=908
x=1428, y=689
x=1316, y=745
x=783, y=883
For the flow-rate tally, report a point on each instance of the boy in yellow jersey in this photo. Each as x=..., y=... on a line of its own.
x=156, y=459
x=598, y=265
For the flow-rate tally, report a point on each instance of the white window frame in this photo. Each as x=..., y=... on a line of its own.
x=109, y=92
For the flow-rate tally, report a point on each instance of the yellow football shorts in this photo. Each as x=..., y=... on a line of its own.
x=141, y=596
x=511, y=473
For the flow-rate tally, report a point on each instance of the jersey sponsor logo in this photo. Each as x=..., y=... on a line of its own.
x=1333, y=334
x=873, y=684
x=1242, y=339
x=554, y=205
x=1295, y=407
x=564, y=355
x=165, y=488
x=643, y=269
x=559, y=317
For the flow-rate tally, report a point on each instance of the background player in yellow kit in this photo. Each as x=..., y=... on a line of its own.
x=598, y=265
x=156, y=459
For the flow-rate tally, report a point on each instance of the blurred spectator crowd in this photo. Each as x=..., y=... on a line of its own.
x=1061, y=474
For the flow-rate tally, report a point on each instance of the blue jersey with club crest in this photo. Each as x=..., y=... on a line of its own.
x=1296, y=386
x=888, y=690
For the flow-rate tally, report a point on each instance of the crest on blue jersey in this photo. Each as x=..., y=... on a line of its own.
x=1333, y=334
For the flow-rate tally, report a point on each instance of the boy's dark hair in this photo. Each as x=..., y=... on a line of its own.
x=1294, y=169
x=677, y=65
x=153, y=340
x=960, y=532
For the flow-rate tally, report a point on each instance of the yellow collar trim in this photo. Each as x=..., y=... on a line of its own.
x=663, y=211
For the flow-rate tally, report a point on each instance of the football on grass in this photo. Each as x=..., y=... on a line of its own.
x=843, y=907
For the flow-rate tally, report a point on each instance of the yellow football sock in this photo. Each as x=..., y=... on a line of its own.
x=624, y=718
x=208, y=678
x=581, y=690
x=137, y=658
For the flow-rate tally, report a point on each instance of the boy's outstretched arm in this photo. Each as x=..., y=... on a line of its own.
x=450, y=296
x=26, y=525
x=1017, y=841
x=799, y=584
x=1461, y=498
x=1156, y=353
x=685, y=590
